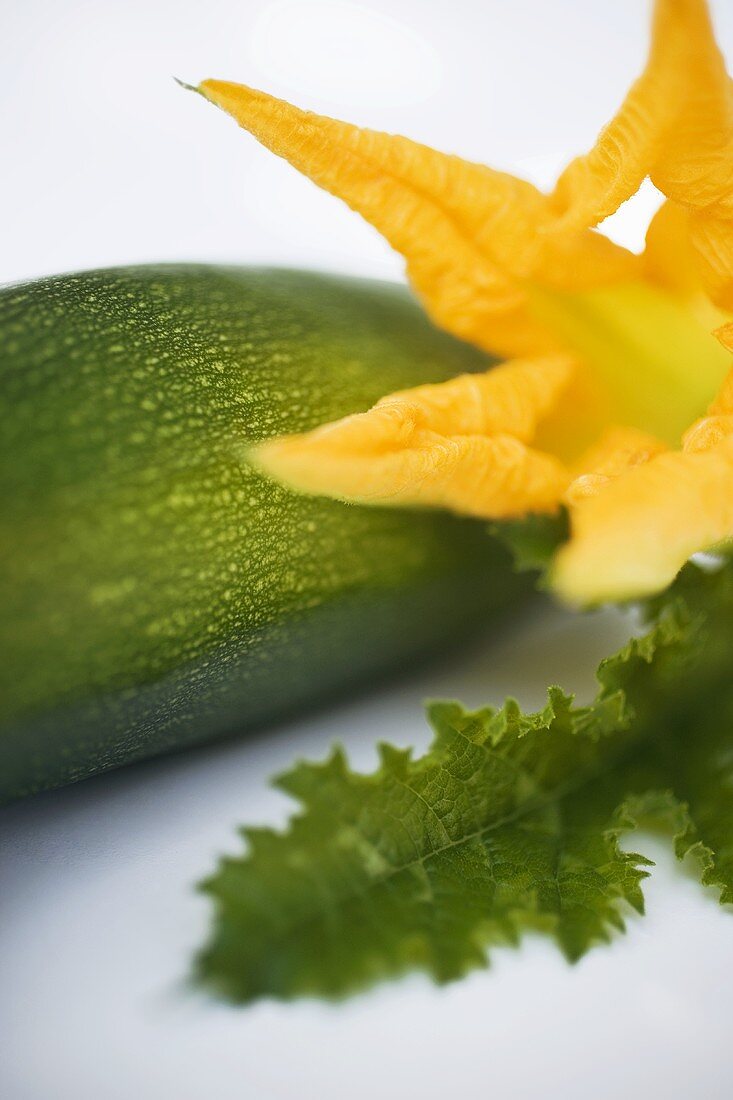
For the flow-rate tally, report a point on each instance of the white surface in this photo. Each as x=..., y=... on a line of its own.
x=106, y=161
x=100, y=921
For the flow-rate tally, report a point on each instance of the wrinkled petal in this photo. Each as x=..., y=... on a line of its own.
x=459, y=445
x=707, y=432
x=676, y=126
x=634, y=536
x=618, y=450
x=683, y=88
x=471, y=236
x=511, y=398
x=487, y=477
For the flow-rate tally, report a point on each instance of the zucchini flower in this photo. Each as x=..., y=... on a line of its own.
x=616, y=400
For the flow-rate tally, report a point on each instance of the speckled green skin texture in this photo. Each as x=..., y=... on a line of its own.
x=155, y=591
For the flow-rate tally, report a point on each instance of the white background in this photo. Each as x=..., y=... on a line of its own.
x=104, y=161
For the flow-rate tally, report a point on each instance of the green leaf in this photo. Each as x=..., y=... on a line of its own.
x=509, y=821
x=533, y=539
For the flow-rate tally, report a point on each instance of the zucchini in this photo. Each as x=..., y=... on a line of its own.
x=155, y=591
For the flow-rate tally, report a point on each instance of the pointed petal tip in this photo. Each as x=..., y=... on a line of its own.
x=267, y=457
x=188, y=87
x=234, y=98
x=301, y=464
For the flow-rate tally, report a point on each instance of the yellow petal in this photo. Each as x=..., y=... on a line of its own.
x=471, y=236
x=669, y=258
x=671, y=262
x=511, y=398
x=725, y=335
x=707, y=432
x=676, y=126
x=458, y=445
x=713, y=428
x=723, y=403
x=712, y=238
x=683, y=64
x=632, y=538
x=618, y=449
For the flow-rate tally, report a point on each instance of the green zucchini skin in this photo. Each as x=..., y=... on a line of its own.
x=157, y=592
